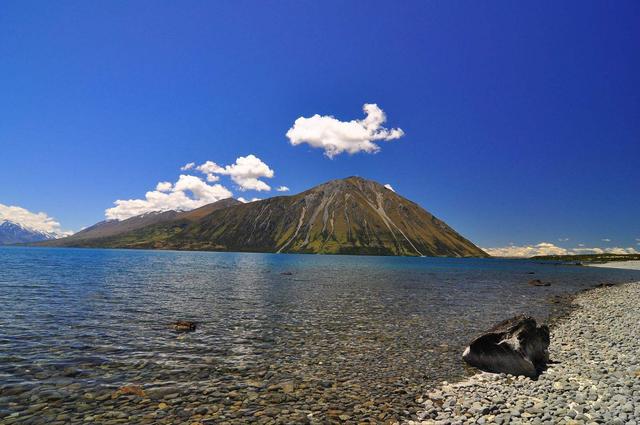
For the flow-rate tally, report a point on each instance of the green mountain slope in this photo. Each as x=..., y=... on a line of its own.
x=111, y=228
x=347, y=216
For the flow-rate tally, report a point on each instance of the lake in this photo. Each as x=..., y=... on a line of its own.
x=279, y=339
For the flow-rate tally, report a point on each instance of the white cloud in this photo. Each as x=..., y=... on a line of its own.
x=547, y=248
x=282, y=189
x=187, y=193
x=36, y=221
x=245, y=201
x=619, y=250
x=543, y=248
x=209, y=167
x=245, y=172
x=609, y=250
x=582, y=250
x=335, y=136
x=164, y=186
x=563, y=239
x=191, y=192
x=606, y=240
x=388, y=186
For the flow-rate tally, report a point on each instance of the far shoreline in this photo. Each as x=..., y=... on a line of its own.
x=628, y=265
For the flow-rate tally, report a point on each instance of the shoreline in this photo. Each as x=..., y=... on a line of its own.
x=629, y=265
x=593, y=376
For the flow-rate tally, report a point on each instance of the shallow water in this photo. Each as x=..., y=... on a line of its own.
x=340, y=338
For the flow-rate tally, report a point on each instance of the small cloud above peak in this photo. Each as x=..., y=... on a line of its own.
x=606, y=240
x=335, y=136
x=245, y=172
x=209, y=167
x=164, y=186
x=282, y=189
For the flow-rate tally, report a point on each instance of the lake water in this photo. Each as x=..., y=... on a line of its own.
x=280, y=338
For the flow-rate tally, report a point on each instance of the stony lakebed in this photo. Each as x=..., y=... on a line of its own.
x=86, y=337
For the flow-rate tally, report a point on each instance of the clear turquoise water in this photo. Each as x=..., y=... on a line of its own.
x=360, y=335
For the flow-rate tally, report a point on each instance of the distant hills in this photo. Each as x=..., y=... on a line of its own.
x=346, y=216
x=589, y=258
x=14, y=233
x=107, y=229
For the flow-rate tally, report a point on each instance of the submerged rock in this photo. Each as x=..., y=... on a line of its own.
x=516, y=346
x=129, y=390
x=538, y=282
x=184, y=326
x=287, y=387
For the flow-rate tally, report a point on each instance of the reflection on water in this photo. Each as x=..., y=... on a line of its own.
x=334, y=338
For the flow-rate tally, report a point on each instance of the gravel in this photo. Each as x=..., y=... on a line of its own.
x=594, y=377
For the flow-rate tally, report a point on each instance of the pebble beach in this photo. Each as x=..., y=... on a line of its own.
x=593, y=378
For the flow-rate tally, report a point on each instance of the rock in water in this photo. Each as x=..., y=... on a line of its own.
x=517, y=346
x=129, y=390
x=538, y=282
x=184, y=326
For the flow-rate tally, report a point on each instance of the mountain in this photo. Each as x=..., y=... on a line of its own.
x=201, y=212
x=346, y=216
x=13, y=233
x=112, y=228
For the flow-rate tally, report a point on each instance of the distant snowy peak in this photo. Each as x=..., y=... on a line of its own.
x=13, y=233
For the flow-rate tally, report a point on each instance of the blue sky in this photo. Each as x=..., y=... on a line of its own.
x=521, y=121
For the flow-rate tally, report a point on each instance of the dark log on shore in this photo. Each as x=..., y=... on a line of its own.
x=516, y=346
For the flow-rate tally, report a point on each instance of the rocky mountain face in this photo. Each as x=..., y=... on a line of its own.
x=346, y=216
x=14, y=233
